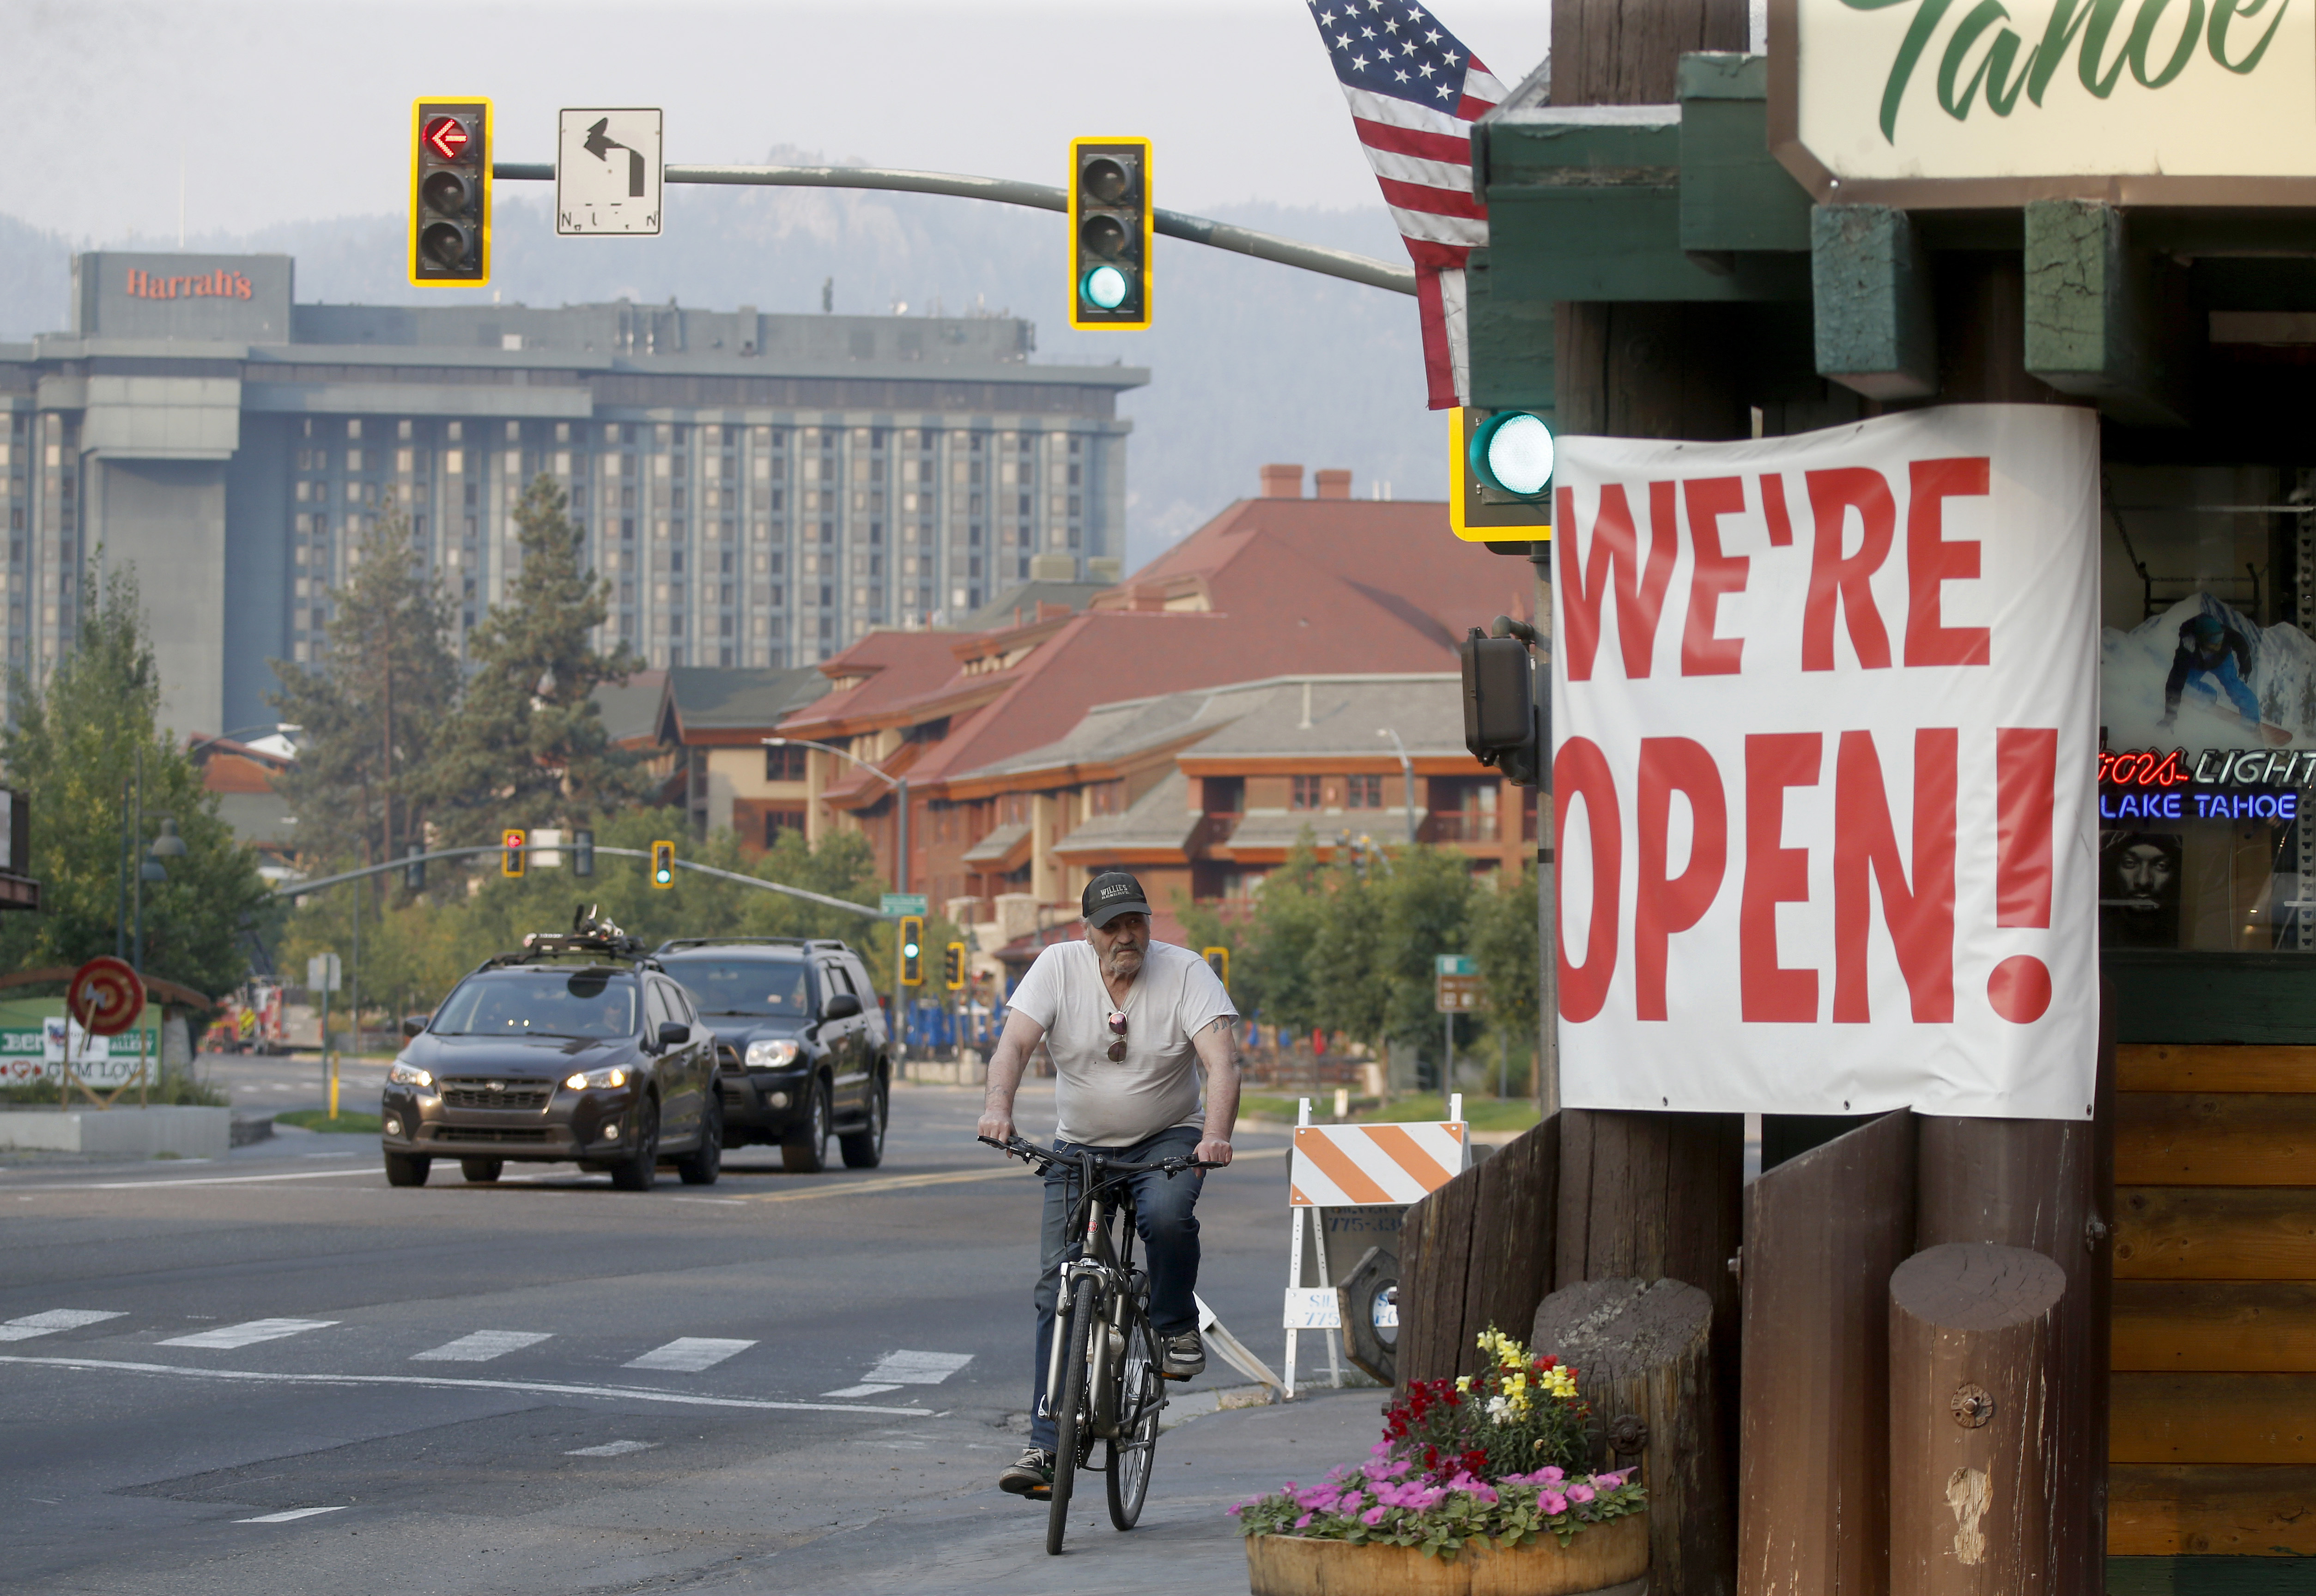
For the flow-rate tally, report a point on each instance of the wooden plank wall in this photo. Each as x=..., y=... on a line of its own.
x=1478, y=1251
x=2213, y=1408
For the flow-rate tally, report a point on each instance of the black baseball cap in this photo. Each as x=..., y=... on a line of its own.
x=1110, y=895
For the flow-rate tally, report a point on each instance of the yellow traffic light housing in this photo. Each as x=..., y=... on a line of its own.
x=663, y=869
x=512, y=844
x=450, y=193
x=913, y=950
x=953, y=967
x=1111, y=225
x=1500, y=468
x=1218, y=960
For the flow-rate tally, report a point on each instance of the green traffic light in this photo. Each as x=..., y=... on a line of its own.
x=908, y=950
x=1513, y=451
x=1105, y=288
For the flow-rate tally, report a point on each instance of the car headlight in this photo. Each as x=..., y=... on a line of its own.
x=771, y=1055
x=405, y=1074
x=612, y=1075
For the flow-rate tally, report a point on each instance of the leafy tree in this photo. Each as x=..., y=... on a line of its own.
x=1505, y=945
x=75, y=749
x=1426, y=902
x=371, y=707
x=526, y=744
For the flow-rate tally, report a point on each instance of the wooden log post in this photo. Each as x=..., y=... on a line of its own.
x=1974, y=1424
x=1478, y=1251
x=1823, y=1232
x=1644, y=1354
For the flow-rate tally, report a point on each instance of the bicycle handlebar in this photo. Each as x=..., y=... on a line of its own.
x=1029, y=1152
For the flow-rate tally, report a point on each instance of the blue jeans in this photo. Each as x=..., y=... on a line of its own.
x=2234, y=687
x=1164, y=1217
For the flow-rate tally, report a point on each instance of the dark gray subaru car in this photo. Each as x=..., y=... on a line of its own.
x=578, y=1048
x=803, y=1051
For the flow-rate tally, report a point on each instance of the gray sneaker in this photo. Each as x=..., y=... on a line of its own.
x=1181, y=1357
x=1030, y=1476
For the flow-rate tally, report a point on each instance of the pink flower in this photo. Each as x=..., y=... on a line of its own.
x=1609, y=1482
x=1550, y=1477
x=1553, y=1503
x=1579, y=1492
x=1375, y=1516
x=1351, y=1500
x=1303, y=1522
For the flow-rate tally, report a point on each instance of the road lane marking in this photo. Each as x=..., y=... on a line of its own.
x=52, y=1321
x=295, y=1512
x=480, y=1347
x=918, y=1369
x=861, y=1391
x=207, y=1180
x=248, y=1332
x=689, y=1354
x=611, y=1449
x=448, y=1382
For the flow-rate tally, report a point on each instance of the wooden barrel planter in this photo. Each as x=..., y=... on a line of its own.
x=1600, y=1559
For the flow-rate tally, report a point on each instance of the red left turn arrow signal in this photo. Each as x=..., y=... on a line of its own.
x=447, y=136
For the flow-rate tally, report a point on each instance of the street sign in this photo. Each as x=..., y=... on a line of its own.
x=904, y=903
x=321, y=973
x=1456, y=984
x=607, y=173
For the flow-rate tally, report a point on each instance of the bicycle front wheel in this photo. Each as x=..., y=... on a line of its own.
x=1141, y=1396
x=1070, y=1428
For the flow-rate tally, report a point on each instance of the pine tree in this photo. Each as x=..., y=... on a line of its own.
x=371, y=708
x=80, y=735
x=526, y=745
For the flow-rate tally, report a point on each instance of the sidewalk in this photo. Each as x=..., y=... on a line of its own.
x=981, y=1540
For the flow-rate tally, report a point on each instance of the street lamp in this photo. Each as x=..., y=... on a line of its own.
x=899, y=785
x=1407, y=771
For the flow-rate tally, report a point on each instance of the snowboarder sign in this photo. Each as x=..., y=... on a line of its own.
x=1825, y=709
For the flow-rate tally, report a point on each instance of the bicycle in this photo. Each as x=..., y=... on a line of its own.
x=1105, y=1387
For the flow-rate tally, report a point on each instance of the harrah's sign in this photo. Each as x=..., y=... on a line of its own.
x=209, y=285
x=1824, y=710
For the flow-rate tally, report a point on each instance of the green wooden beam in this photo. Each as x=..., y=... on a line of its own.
x=1512, y=344
x=2099, y=320
x=1734, y=195
x=1871, y=286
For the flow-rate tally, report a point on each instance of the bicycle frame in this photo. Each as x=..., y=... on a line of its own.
x=1112, y=1263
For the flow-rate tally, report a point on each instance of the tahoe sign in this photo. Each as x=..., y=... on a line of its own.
x=1966, y=102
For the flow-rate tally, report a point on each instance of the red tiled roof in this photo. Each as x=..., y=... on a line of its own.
x=1295, y=587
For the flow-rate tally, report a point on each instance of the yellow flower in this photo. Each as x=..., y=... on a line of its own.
x=1463, y=1382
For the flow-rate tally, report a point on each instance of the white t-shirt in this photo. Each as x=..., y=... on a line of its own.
x=1155, y=1087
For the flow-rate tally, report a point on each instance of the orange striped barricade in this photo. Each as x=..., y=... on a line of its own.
x=1373, y=1166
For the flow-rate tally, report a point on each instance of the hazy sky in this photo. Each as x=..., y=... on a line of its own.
x=280, y=112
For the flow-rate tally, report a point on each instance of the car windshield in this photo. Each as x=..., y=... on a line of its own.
x=541, y=1003
x=761, y=987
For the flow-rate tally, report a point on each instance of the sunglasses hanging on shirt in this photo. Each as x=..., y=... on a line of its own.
x=1118, y=1029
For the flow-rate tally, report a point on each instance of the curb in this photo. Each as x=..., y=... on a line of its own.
x=256, y=1129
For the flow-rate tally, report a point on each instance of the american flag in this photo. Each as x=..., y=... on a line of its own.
x=1414, y=93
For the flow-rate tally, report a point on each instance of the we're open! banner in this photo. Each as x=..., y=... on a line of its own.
x=1825, y=713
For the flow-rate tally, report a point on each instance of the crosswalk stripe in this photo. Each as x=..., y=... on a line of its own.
x=863, y=1390
x=918, y=1369
x=480, y=1347
x=52, y=1321
x=611, y=1449
x=295, y=1512
x=249, y=1333
x=689, y=1354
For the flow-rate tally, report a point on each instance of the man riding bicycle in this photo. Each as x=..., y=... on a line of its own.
x=1128, y=1022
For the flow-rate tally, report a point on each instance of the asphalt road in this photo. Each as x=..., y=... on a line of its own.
x=277, y=1373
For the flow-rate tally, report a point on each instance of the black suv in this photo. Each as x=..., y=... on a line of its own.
x=578, y=1048
x=800, y=1044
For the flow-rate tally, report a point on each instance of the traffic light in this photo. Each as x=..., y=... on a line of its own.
x=663, y=865
x=512, y=842
x=1500, y=470
x=413, y=874
x=1218, y=961
x=1110, y=220
x=913, y=950
x=450, y=193
x=1504, y=723
x=582, y=853
x=953, y=967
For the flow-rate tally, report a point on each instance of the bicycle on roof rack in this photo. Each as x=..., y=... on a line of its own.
x=1102, y=1378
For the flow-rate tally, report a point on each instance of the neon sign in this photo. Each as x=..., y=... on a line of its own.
x=2143, y=783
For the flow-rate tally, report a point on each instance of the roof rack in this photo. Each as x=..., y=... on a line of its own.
x=590, y=934
x=675, y=944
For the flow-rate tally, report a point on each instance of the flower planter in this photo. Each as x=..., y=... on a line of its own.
x=1601, y=1557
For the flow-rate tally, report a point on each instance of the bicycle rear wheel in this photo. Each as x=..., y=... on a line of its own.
x=1141, y=1396
x=1070, y=1418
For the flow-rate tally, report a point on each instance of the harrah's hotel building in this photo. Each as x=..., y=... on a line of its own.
x=758, y=489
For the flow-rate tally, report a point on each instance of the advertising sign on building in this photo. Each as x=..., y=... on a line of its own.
x=1922, y=103
x=1825, y=709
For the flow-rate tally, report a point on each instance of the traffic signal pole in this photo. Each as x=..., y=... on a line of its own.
x=1003, y=190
